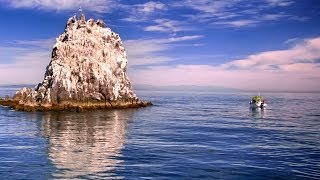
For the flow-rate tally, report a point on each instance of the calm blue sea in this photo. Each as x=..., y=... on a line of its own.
x=185, y=135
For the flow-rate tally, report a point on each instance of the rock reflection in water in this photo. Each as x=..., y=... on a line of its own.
x=82, y=144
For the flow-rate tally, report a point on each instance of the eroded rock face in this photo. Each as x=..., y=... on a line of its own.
x=88, y=65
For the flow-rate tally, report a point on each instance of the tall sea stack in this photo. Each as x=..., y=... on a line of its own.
x=88, y=70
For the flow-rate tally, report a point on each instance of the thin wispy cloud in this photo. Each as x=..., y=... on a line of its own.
x=150, y=7
x=273, y=17
x=142, y=12
x=167, y=25
x=292, y=41
x=213, y=14
x=279, y=2
x=206, y=6
x=150, y=51
x=38, y=43
x=237, y=23
x=234, y=13
x=100, y=6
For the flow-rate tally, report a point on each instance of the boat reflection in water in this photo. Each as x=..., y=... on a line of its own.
x=85, y=144
x=258, y=112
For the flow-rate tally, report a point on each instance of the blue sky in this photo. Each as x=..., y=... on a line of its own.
x=253, y=45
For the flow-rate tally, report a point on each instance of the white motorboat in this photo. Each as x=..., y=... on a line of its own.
x=258, y=102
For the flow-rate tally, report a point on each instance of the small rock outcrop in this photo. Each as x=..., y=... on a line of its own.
x=87, y=71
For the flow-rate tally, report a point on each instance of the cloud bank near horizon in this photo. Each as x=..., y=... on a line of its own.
x=293, y=69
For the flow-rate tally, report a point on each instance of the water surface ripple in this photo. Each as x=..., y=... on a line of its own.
x=185, y=135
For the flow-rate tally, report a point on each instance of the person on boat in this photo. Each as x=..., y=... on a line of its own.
x=262, y=104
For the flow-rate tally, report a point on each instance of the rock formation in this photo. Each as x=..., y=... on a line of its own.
x=87, y=71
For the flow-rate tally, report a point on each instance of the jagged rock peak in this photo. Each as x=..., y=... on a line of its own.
x=88, y=66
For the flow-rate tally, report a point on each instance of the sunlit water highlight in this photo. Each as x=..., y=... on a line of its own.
x=185, y=135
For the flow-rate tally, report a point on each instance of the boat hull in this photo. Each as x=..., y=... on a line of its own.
x=258, y=105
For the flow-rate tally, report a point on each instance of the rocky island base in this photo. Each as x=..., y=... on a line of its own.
x=74, y=106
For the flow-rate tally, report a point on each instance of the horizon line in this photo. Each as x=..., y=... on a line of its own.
x=190, y=88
